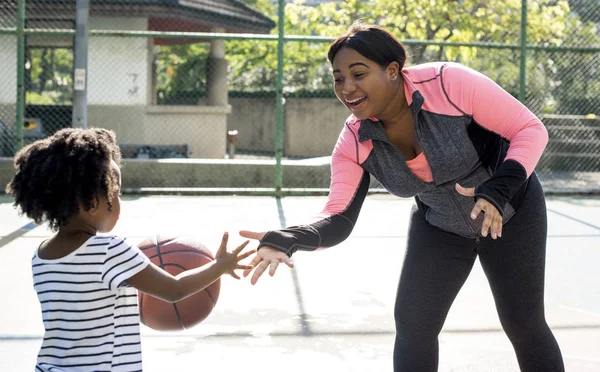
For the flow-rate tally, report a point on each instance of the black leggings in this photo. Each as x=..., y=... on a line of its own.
x=436, y=266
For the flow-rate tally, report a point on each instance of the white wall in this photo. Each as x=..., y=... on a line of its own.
x=118, y=68
x=312, y=125
x=118, y=71
x=8, y=66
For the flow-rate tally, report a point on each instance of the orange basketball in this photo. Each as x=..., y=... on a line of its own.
x=175, y=255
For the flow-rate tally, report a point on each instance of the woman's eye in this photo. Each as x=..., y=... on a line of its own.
x=338, y=80
x=359, y=75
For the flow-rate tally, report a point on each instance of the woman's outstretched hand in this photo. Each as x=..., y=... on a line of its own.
x=265, y=257
x=492, y=221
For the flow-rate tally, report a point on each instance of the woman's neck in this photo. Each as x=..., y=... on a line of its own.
x=397, y=112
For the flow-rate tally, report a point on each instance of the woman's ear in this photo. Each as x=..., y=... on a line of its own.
x=393, y=71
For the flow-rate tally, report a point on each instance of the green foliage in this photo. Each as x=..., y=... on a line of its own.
x=253, y=64
x=48, y=76
x=181, y=70
x=263, y=6
x=575, y=75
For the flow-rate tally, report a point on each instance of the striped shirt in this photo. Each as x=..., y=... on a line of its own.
x=90, y=314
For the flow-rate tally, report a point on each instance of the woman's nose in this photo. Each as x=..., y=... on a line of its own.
x=349, y=87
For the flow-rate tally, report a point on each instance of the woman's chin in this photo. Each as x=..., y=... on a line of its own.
x=362, y=115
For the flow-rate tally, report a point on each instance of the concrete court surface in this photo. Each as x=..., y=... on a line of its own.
x=334, y=311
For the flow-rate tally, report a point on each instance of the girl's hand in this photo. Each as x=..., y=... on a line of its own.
x=492, y=220
x=230, y=261
x=266, y=257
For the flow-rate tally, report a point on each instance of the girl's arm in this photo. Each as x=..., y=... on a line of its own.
x=160, y=284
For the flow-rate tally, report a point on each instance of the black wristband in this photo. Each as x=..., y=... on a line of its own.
x=503, y=185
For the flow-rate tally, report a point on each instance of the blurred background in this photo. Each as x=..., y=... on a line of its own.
x=235, y=96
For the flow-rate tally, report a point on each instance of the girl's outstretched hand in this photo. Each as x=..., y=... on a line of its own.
x=230, y=261
x=265, y=257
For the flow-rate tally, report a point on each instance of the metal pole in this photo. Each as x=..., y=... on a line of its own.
x=80, y=53
x=523, y=64
x=20, y=105
x=279, y=99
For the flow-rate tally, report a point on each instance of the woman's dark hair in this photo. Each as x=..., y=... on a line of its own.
x=58, y=175
x=372, y=42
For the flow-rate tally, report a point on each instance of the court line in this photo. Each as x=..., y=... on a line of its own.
x=580, y=310
x=17, y=233
x=574, y=219
x=467, y=345
x=254, y=334
x=405, y=236
x=304, y=323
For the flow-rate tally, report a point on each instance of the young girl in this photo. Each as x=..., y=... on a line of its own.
x=86, y=284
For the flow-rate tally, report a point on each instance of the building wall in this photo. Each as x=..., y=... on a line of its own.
x=126, y=121
x=312, y=125
x=254, y=119
x=201, y=128
x=8, y=66
x=118, y=68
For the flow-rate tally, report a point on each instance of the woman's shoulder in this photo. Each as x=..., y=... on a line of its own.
x=351, y=120
x=350, y=128
x=348, y=144
x=423, y=71
x=431, y=70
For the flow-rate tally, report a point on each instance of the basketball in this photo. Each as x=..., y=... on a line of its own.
x=175, y=255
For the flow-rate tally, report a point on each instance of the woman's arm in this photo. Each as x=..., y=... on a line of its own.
x=493, y=108
x=348, y=189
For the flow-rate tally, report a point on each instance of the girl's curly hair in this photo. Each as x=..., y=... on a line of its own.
x=60, y=174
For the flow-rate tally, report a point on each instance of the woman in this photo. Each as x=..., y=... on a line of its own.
x=466, y=150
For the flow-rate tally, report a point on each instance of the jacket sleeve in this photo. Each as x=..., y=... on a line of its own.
x=348, y=189
x=496, y=110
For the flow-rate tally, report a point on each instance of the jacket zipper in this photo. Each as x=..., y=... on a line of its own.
x=464, y=216
x=450, y=192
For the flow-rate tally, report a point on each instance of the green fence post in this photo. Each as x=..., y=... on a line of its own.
x=20, y=74
x=523, y=65
x=279, y=98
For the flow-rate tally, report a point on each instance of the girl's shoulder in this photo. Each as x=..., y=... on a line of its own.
x=95, y=246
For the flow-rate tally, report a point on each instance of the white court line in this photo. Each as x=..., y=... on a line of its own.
x=511, y=350
x=580, y=310
x=583, y=359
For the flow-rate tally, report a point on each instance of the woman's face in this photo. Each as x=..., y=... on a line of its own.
x=362, y=85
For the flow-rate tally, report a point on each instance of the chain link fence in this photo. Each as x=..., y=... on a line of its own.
x=8, y=68
x=190, y=88
x=8, y=94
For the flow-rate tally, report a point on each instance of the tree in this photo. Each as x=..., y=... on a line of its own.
x=48, y=75
x=550, y=22
x=181, y=77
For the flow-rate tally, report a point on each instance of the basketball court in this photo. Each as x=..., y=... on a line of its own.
x=334, y=311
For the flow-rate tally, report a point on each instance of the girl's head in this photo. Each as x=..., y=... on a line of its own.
x=367, y=62
x=71, y=174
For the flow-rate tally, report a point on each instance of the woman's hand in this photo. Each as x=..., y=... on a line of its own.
x=265, y=257
x=492, y=218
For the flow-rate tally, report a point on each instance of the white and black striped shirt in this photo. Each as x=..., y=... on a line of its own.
x=90, y=315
